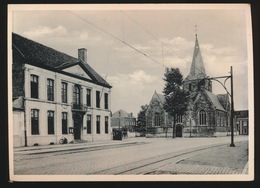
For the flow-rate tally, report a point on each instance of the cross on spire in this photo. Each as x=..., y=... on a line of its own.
x=196, y=30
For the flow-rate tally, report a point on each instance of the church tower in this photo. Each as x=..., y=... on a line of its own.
x=195, y=80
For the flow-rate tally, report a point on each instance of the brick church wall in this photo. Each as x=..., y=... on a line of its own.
x=155, y=107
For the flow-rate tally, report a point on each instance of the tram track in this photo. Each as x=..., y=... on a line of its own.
x=146, y=166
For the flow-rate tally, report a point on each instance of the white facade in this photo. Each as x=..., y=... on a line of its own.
x=43, y=105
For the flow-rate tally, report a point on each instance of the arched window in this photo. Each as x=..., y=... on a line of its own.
x=157, y=119
x=179, y=119
x=190, y=87
x=202, y=117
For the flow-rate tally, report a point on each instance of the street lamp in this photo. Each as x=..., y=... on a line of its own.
x=232, y=101
x=190, y=126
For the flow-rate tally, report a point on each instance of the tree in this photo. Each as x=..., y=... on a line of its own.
x=176, y=98
x=141, y=119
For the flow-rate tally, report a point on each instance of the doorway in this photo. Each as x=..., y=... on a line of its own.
x=178, y=130
x=77, y=126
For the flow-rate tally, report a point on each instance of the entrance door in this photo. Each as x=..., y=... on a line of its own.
x=178, y=131
x=77, y=127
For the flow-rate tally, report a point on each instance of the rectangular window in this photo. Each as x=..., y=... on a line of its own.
x=34, y=86
x=34, y=122
x=50, y=122
x=88, y=97
x=77, y=97
x=64, y=123
x=98, y=99
x=106, y=125
x=64, y=92
x=98, y=125
x=50, y=90
x=88, y=124
x=106, y=100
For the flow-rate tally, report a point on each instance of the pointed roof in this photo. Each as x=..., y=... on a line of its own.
x=215, y=101
x=197, y=69
x=159, y=96
x=224, y=100
x=39, y=55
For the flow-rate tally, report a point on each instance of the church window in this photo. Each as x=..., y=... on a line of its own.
x=202, y=117
x=190, y=86
x=179, y=119
x=157, y=119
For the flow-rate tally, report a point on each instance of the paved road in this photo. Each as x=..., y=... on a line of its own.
x=133, y=156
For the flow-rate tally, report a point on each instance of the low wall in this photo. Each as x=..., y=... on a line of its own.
x=158, y=132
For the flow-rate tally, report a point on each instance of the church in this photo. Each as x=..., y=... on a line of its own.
x=208, y=114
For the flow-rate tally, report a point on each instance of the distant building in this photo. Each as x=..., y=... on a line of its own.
x=241, y=120
x=56, y=95
x=123, y=120
x=207, y=115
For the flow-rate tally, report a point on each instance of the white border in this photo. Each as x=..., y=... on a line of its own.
x=247, y=177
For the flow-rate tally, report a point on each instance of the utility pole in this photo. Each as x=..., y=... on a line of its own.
x=119, y=119
x=190, y=127
x=232, y=109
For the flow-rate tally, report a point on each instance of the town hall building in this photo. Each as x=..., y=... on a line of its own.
x=208, y=114
x=56, y=95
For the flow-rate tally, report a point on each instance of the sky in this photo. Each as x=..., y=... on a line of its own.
x=131, y=46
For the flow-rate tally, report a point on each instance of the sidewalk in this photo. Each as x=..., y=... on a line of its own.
x=219, y=160
x=74, y=146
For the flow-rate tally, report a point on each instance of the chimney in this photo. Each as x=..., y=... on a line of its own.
x=82, y=55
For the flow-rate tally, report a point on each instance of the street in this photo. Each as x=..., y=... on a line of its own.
x=136, y=156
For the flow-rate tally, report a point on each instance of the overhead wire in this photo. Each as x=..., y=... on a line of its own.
x=129, y=45
x=157, y=38
x=115, y=37
x=106, y=69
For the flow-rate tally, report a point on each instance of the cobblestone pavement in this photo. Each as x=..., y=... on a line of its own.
x=219, y=160
x=139, y=157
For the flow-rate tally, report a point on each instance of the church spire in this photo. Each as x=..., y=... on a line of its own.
x=197, y=69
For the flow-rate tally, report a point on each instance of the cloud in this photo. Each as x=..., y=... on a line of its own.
x=140, y=76
x=83, y=36
x=136, y=79
x=132, y=90
x=43, y=31
x=55, y=33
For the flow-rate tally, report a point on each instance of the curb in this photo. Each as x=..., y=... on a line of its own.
x=245, y=170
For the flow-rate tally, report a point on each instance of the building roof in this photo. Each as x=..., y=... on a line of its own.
x=161, y=97
x=224, y=100
x=37, y=54
x=197, y=69
x=215, y=101
x=241, y=114
x=18, y=103
x=121, y=113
